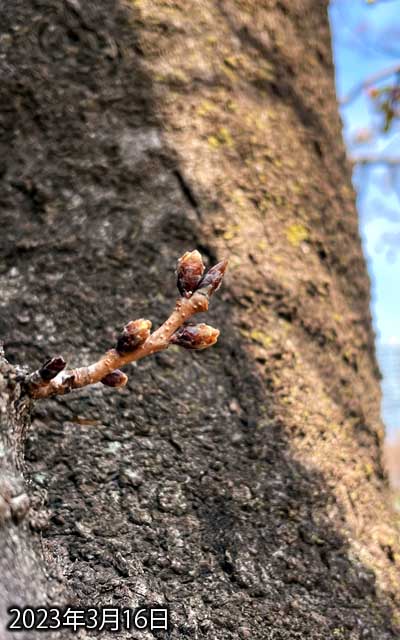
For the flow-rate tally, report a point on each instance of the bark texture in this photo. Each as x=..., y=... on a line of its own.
x=22, y=578
x=243, y=485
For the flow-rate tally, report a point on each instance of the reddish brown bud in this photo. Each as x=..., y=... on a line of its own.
x=211, y=281
x=196, y=336
x=52, y=368
x=115, y=379
x=189, y=271
x=133, y=335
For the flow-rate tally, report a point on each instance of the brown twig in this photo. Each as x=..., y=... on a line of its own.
x=375, y=160
x=136, y=341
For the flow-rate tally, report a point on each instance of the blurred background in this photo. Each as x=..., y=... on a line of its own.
x=366, y=45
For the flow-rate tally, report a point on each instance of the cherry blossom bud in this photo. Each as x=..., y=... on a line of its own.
x=52, y=368
x=373, y=92
x=115, y=379
x=196, y=336
x=211, y=281
x=133, y=335
x=189, y=270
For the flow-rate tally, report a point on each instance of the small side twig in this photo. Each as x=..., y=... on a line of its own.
x=368, y=82
x=136, y=341
x=375, y=160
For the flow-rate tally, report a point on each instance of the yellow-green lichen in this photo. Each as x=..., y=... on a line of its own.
x=234, y=62
x=296, y=234
x=260, y=337
x=222, y=138
x=205, y=108
x=231, y=232
x=177, y=77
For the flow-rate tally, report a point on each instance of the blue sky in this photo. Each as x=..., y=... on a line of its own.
x=363, y=35
x=359, y=32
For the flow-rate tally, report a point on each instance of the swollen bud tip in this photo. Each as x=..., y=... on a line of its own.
x=211, y=281
x=115, y=379
x=52, y=368
x=133, y=335
x=197, y=336
x=189, y=271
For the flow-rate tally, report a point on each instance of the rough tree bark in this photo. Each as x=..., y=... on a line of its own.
x=243, y=486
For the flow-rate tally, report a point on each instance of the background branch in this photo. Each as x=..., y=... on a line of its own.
x=367, y=82
x=376, y=159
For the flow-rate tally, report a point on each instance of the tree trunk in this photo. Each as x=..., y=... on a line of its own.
x=242, y=486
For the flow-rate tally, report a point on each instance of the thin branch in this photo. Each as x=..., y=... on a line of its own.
x=372, y=2
x=375, y=159
x=136, y=341
x=367, y=82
